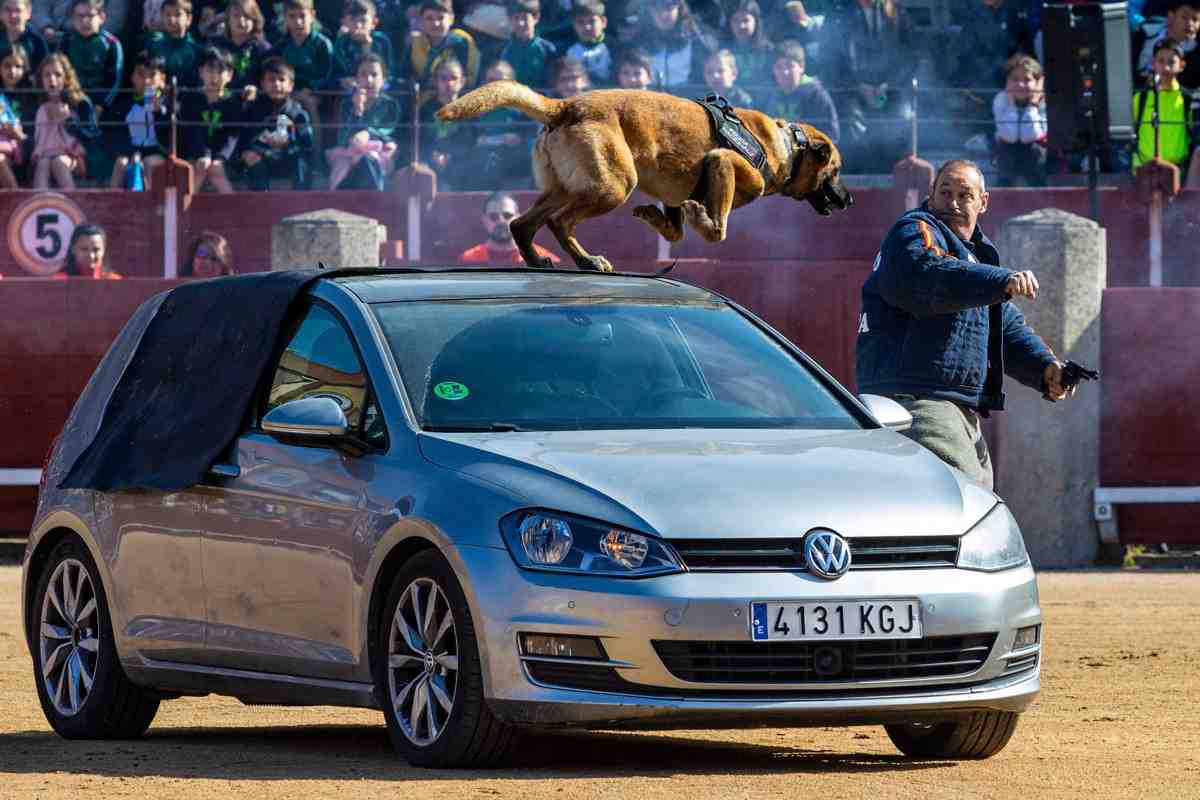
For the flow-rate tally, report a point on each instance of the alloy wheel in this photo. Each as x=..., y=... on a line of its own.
x=69, y=637
x=422, y=665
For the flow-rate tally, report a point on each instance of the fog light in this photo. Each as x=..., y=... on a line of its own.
x=1026, y=637
x=543, y=644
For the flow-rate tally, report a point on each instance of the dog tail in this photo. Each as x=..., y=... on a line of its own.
x=502, y=94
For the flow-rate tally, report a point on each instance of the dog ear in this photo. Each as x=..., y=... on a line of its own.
x=821, y=149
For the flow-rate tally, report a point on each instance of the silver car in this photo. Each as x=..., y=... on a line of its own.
x=487, y=501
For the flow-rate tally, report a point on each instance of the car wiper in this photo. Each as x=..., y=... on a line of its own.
x=495, y=427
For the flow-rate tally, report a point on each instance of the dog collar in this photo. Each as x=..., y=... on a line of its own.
x=796, y=142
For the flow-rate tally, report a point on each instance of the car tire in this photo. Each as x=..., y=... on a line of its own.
x=428, y=673
x=73, y=642
x=980, y=735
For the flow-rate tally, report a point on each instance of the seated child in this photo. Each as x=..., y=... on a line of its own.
x=14, y=14
x=799, y=97
x=526, y=51
x=143, y=129
x=96, y=54
x=208, y=121
x=503, y=142
x=571, y=78
x=180, y=53
x=1020, y=114
x=370, y=122
x=308, y=52
x=589, y=48
x=635, y=69
x=277, y=138
x=720, y=73
x=65, y=133
x=438, y=41
x=1166, y=64
x=448, y=147
x=750, y=46
x=244, y=40
x=15, y=111
x=359, y=40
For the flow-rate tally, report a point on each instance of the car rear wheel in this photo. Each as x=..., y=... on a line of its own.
x=428, y=670
x=83, y=690
x=980, y=735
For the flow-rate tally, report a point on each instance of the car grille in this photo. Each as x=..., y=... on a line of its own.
x=870, y=552
x=807, y=662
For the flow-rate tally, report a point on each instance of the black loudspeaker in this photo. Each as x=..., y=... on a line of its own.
x=1089, y=82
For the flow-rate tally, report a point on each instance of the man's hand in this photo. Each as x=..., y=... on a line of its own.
x=1052, y=376
x=1022, y=284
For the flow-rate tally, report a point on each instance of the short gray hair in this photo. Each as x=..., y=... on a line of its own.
x=966, y=164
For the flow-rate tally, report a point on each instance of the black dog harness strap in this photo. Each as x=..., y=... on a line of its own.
x=731, y=134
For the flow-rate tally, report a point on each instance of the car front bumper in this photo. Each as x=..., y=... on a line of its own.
x=628, y=616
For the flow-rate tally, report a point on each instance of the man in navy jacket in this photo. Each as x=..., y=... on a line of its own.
x=938, y=330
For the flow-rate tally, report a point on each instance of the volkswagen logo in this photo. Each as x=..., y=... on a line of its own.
x=826, y=554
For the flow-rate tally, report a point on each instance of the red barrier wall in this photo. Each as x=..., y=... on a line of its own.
x=800, y=271
x=1150, y=374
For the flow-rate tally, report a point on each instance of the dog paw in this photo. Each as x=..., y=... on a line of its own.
x=692, y=210
x=596, y=263
x=542, y=263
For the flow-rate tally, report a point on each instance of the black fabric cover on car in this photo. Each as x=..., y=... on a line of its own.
x=174, y=388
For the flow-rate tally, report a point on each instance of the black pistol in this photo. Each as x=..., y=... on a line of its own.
x=1072, y=374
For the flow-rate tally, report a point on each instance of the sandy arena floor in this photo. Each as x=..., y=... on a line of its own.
x=1118, y=717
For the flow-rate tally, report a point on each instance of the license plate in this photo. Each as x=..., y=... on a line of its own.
x=844, y=619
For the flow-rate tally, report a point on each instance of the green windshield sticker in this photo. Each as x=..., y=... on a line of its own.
x=451, y=390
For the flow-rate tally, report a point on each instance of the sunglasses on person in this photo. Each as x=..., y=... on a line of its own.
x=496, y=216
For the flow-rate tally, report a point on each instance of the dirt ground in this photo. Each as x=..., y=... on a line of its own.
x=1118, y=717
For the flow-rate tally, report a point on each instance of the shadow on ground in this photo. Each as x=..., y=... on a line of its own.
x=356, y=752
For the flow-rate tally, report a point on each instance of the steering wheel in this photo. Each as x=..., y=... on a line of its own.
x=660, y=398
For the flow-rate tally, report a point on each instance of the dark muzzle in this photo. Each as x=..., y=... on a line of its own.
x=830, y=195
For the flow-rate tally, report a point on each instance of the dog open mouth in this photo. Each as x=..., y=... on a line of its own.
x=830, y=195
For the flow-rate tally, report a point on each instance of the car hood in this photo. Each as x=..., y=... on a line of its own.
x=720, y=483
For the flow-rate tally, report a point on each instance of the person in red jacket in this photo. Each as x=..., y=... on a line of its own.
x=499, y=210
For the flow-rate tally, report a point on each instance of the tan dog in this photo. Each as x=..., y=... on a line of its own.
x=598, y=147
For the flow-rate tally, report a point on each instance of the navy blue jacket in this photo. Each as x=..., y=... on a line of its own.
x=925, y=318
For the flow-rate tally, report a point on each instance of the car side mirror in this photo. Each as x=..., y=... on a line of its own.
x=310, y=420
x=887, y=412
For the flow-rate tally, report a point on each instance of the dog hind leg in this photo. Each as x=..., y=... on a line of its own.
x=526, y=226
x=668, y=223
x=562, y=224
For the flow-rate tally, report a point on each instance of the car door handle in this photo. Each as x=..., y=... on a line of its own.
x=225, y=470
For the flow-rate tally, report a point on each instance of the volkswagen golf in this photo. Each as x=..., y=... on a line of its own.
x=488, y=501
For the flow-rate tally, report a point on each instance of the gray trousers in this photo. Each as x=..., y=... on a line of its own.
x=952, y=432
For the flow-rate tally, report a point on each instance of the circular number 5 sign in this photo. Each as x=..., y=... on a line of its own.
x=39, y=231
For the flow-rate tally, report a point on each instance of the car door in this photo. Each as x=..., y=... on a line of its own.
x=158, y=580
x=280, y=529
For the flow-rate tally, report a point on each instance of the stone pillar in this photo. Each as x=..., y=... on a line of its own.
x=335, y=238
x=1050, y=460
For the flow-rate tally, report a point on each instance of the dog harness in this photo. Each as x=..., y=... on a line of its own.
x=731, y=134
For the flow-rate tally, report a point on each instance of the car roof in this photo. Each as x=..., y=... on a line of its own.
x=458, y=283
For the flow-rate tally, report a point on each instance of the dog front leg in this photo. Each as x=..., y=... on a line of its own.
x=668, y=222
x=723, y=171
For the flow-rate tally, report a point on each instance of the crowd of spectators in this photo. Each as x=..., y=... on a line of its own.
x=304, y=93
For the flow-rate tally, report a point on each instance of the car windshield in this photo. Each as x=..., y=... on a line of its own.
x=483, y=365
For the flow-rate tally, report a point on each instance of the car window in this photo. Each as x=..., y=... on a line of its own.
x=320, y=361
x=602, y=364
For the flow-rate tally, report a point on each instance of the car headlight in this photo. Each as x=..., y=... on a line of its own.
x=994, y=543
x=547, y=540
